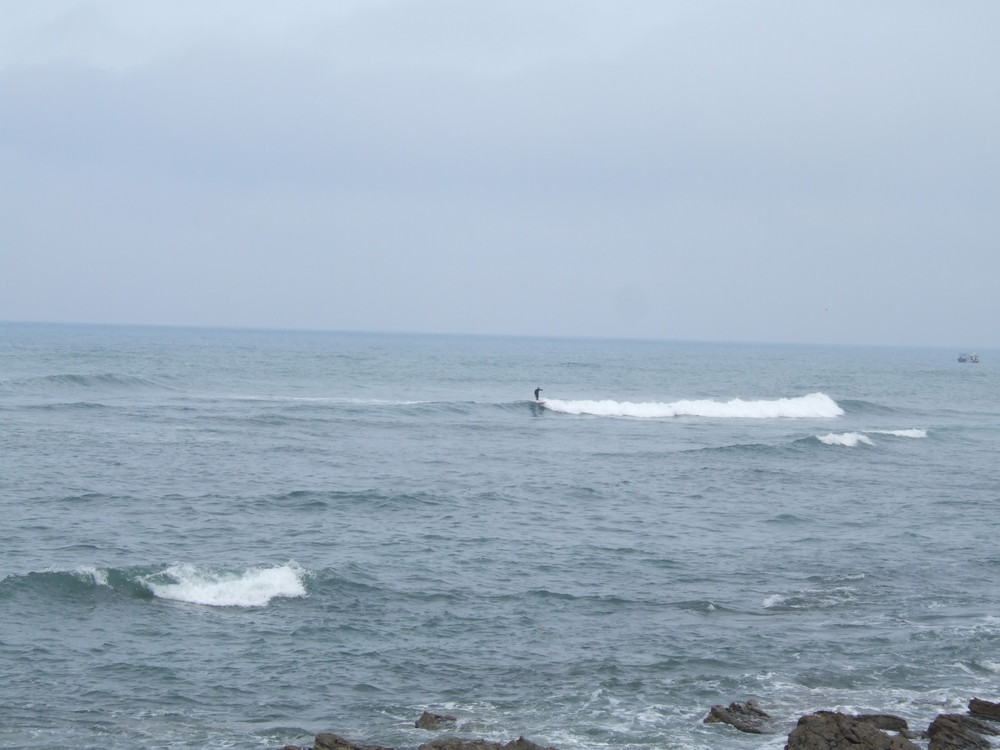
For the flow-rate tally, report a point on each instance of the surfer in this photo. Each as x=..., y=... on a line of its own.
x=537, y=391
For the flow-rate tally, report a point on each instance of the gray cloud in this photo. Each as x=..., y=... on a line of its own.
x=762, y=172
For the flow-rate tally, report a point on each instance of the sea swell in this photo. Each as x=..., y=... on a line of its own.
x=77, y=382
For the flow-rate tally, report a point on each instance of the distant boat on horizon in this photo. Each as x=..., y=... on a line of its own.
x=974, y=358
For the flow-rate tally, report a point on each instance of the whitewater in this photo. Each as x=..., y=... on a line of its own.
x=817, y=405
x=234, y=538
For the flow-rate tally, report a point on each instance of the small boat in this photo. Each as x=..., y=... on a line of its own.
x=974, y=358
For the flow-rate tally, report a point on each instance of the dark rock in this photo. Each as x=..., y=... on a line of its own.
x=985, y=709
x=959, y=732
x=888, y=722
x=747, y=717
x=458, y=743
x=432, y=722
x=522, y=744
x=327, y=741
x=829, y=730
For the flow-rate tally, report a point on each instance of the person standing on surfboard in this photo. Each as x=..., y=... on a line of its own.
x=537, y=391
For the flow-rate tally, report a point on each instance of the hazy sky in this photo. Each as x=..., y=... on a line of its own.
x=794, y=171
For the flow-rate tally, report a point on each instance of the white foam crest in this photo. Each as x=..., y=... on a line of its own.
x=97, y=576
x=903, y=433
x=848, y=439
x=989, y=666
x=815, y=405
x=253, y=587
x=851, y=439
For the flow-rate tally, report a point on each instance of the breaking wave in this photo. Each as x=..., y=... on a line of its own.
x=853, y=439
x=848, y=439
x=250, y=587
x=253, y=587
x=902, y=433
x=812, y=406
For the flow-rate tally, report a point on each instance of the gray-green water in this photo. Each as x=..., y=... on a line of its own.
x=238, y=539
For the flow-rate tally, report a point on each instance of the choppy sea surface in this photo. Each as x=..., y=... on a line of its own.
x=225, y=538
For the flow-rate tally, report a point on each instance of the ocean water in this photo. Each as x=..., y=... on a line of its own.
x=238, y=539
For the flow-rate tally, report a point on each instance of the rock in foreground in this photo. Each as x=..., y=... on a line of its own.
x=986, y=709
x=959, y=732
x=830, y=730
x=457, y=743
x=747, y=717
x=434, y=722
x=330, y=741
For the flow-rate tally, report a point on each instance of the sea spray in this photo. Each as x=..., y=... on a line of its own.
x=252, y=587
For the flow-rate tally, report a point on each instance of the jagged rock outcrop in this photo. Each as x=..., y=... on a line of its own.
x=434, y=722
x=458, y=743
x=830, y=730
x=328, y=741
x=747, y=717
x=959, y=732
x=985, y=709
x=522, y=744
x=888, y=722
x=822, y=730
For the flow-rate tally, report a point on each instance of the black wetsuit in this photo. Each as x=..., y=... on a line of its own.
x=536, y=393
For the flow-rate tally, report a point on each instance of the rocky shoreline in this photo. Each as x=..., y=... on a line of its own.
x=822, y=730
x=831, y=730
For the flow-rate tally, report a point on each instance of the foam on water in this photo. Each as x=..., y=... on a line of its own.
x=253, y=587
x=848, y=439
x=811, y=598
x=812, y=406
x=902, y=433
x=852, y=439
x=91, y=574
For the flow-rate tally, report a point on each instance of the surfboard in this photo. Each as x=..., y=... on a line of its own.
x=540, y=401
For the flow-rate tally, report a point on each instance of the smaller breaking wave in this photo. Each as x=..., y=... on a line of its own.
x=848, y=439
x=812, y=406
x=252, y=587
x=902, y=433
x=853, y=439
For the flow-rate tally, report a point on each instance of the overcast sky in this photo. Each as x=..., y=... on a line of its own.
x=794, y=171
